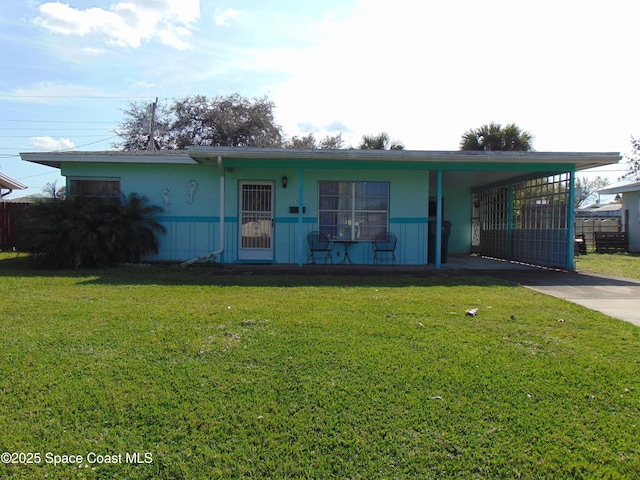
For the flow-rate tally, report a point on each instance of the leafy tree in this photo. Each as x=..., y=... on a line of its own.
x=309, y=142
x=135, y=128
x=306, y=142
x=51, y=190
x=231, y=121
x=496, y=137
x=84, y=232
x=332, y=142
x=586, y=188
x=380, y=141
x=634, y=160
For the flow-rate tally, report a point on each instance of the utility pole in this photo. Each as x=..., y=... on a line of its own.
x=152, y=127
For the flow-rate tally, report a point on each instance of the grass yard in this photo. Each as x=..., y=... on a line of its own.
x=220, y=376
x=616, y=264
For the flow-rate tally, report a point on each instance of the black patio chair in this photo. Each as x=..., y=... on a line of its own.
x=384, y=248
x=319, y=244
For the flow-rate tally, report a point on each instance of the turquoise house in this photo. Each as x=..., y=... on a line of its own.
x=257, y=205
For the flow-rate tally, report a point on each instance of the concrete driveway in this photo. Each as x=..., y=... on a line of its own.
x=616, y=297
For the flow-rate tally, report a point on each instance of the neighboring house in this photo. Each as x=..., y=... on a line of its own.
x=258, y=205
x=9, y=184
x=612, y=210
x=631, y=208
x=597, y=218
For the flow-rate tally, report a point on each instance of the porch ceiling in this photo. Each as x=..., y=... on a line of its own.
x=475, y=179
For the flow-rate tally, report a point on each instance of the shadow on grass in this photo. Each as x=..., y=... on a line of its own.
x=542, y=278
x=254, y=275
x=307, y=275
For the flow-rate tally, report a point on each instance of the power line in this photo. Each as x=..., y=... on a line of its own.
x=55, y=129
x=31, y=136
x=55, y=121
x=38, y=175
x=87, y=144
x=102, y=97
x=62, y=149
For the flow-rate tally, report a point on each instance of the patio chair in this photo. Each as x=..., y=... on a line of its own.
x=319, y=245
x=384, y=248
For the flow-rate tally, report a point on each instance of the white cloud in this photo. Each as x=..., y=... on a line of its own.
x=224, y=17
x=143, y=84
x=51, y=144
x=126, y=23
x=92, y=51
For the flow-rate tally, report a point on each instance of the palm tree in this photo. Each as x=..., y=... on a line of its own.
x=137, y=228
x=85, y=232
x=381, y=141
x=65, y=233
x=495, y=137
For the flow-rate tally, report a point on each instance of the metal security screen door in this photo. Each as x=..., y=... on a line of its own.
x=256, y=221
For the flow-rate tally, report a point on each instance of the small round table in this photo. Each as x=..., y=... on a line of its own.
x=346, y=244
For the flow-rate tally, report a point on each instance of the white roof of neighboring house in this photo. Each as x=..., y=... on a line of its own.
x=10, y=183
x=629, y=187
x=605, y=210
x=609, y=207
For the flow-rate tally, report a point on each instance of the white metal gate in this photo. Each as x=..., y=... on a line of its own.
x=256, y=221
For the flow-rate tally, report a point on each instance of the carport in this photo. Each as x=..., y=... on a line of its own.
x=522, y=203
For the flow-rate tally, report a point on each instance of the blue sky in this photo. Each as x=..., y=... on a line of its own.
x=422, y=71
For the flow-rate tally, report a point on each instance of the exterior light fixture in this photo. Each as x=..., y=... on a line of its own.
x=285, y=181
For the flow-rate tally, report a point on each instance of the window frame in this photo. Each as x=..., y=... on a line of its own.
x=351, y=208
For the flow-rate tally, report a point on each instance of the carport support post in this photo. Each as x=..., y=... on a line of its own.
x=301, y=245
x=439, y=221
x=510, y=223
x=571, y=220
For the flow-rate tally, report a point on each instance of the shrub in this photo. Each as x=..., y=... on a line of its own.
x=86, y=232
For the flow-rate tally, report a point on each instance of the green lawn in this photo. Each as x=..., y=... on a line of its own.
x=616, y=264
x=255, y=376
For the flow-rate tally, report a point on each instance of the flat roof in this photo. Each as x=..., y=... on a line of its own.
x=582, y=160
x=630, y=187
x=55, y=159
x=204, y=155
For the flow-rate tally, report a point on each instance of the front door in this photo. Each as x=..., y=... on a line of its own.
x=256, y=221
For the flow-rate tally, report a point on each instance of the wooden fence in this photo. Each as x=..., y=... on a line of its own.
x=609, y=242
x=587, y=227
x=9, y=232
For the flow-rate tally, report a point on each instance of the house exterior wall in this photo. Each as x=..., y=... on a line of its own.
x=192, y=228
x=190, y=197
x=192, y=219
x=408, y=210
x=457, y=210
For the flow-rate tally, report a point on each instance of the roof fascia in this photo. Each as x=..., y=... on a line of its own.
x=10, y=183
x=394, y=158
x=56, y=159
